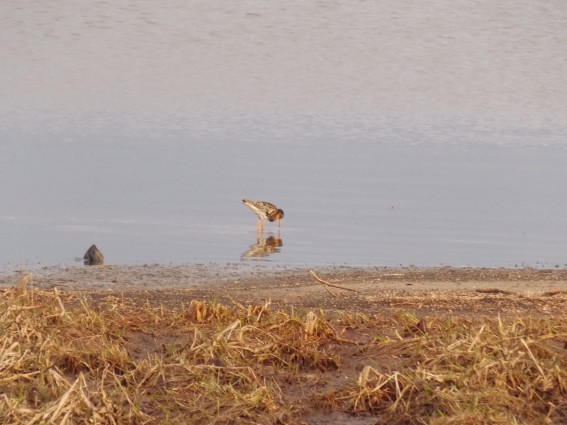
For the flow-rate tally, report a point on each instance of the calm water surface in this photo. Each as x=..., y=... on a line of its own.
x=390, y=133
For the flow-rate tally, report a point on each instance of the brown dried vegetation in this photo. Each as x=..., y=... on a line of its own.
x=63, y=360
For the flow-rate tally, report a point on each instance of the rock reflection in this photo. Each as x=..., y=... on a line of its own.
x=264, y=246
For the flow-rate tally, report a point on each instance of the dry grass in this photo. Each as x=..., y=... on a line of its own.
x=65, y=361
x=458, y=371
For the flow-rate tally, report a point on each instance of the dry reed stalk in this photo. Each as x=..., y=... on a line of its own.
x=60, y=303
x=311, y=324
x=200, y=311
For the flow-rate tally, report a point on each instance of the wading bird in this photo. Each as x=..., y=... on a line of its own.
x=264, y=210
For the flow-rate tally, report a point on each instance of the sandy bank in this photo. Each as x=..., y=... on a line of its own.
x=459, y=291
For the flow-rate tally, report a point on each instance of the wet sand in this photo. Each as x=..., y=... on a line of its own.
x=425, y=291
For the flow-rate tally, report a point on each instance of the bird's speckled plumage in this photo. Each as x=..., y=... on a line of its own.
x=264, y=211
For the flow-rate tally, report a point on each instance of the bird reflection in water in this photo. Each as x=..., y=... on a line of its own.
x=264, y=246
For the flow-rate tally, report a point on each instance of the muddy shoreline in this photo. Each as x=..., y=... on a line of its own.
x=379, y=290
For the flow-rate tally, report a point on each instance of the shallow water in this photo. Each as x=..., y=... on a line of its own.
x=389, y=133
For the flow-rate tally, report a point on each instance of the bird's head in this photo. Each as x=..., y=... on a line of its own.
x=277, y=215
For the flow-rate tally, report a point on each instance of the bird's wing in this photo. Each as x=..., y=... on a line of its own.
x=256, y=207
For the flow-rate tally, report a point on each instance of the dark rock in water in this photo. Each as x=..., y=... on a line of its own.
x=93, y=257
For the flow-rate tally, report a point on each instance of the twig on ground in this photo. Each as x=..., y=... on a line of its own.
x=329, y=291
x=318, y=279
